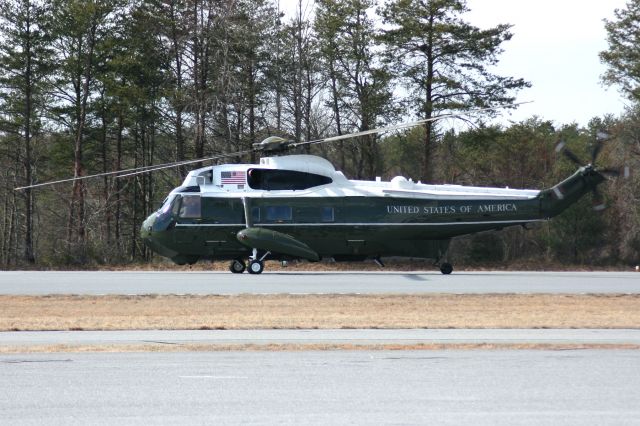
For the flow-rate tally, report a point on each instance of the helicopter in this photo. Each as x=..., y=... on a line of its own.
x=299, y=207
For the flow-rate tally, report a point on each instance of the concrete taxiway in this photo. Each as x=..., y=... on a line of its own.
x=225, y=283
x=584, y=387
x=315, y=336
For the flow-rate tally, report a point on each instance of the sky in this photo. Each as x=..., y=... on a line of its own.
x=555, y=47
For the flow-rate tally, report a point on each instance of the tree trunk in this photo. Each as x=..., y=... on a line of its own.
x=200, y=72
x=77, y=220
x=136, y=196
x=11, y=250
x=427, y=173
x=29, y=255
x=117, y=214
x=308, y=99
x=105, y=181
x=252, y=109
x=336, y=113
x=178, y=100
x=297, y=86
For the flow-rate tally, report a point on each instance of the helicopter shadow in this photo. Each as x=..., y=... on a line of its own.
x=411, y=276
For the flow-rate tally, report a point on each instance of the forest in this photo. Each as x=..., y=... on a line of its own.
x=94, y=86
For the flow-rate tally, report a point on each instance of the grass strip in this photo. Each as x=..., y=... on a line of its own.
x=18, y=313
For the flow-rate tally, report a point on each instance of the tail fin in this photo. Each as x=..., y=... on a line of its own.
x=558, y=198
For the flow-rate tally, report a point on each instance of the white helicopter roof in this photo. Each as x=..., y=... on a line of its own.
x=231, y=179
x=300, y=163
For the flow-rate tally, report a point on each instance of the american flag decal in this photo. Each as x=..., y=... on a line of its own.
x=233, y=177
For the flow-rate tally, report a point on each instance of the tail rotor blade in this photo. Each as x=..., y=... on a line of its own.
x=598, y=200
x=612, y=172
x=596, y=150
x=571, y=156
x=601, y=138
x=561, y=147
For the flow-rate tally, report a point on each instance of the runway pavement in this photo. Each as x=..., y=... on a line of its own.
x=225, y=283
x=343, y=387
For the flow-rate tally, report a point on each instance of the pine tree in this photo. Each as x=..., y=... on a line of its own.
x=360, y=89
x=623, y=55
x=25, y=64
x=79, y=28
x=444, y=61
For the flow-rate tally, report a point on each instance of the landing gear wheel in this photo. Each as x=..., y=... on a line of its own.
x=446, y=268
x=256, y=267
x=237, y=266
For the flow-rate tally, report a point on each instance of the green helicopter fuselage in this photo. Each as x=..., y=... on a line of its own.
x=299, y=207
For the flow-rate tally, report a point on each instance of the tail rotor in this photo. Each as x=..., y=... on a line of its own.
x=612, y=172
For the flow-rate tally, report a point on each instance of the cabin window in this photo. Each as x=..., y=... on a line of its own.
x=220, y=210
x=190, y=207
x=326, y=214
x=278, y=213
x=278, y=180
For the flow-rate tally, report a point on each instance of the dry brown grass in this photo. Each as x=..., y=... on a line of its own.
x=318, y=311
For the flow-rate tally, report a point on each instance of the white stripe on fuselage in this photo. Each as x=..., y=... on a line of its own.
x=489, y=222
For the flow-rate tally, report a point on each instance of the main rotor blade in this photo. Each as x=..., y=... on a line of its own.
x=396, y=126
x=153, y=168
x=84, y=177
x=133, y=171
x=182, y=163
x=297, y=144
x=366, y=132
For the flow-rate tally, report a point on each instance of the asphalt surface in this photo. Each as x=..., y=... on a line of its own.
x=314, y=336
x=583, y=387
x=225, y=283
x=500, y=387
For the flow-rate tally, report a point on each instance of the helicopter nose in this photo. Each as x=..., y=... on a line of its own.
x=147, y=226
x=151, y=233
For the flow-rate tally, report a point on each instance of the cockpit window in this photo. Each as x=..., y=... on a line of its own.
x=166, y=204
x=175, y=205
x=275, y=180
x=190, y=207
